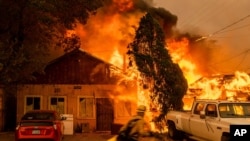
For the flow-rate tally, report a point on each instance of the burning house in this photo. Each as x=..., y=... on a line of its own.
x=88, y=88
x=84, y=86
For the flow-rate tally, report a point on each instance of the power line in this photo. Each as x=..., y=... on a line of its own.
x=230, y=36
x=220, y=30
x=240, y=27
x=244, y=57
x=242, y=19
x=218, y=7
x=226, y=60
x=198, y=14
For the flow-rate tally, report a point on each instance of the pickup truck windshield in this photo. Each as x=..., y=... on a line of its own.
x=234, y=110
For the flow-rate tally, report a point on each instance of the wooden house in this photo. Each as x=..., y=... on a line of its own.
x=82, y=85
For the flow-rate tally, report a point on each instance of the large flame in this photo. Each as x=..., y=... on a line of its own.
x=108, y=33
x=179, y=50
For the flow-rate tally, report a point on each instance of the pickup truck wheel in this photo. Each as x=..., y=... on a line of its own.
x=225, y=137
x=173, y=132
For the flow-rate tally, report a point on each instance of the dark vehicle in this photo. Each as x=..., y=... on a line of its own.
x=40, y=125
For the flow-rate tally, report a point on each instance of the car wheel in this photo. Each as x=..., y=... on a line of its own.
x=173, y=132
x=225, y=137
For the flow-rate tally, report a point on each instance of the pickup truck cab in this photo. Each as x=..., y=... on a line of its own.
x=208, y=119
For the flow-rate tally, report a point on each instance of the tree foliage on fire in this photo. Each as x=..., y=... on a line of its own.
x=29, y=28
x=164, y=78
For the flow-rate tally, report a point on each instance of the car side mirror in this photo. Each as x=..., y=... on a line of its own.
x=202, y=115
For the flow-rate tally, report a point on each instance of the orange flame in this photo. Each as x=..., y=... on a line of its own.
x=179, y=51
x=208, y=87
x=124, y=5
x=107, y=35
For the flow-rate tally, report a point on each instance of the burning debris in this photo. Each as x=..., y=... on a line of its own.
x=234, y=87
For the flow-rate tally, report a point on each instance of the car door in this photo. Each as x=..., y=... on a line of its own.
x=214, y=129
x=197, y=124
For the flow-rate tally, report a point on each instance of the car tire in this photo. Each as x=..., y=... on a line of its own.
x=173, y=133
x=225, y=137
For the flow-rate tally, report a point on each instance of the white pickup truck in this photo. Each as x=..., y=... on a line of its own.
x=208, y=119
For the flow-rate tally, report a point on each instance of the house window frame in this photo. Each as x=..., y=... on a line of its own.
x=65, y=103
x=78, y=107
x=33, y=96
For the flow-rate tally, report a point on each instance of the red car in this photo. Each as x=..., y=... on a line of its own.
x=40, y=125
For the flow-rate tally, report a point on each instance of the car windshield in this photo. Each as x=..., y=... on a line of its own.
x=234, y=110
x=38, y=116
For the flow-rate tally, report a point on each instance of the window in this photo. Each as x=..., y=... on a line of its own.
x=86, y=107
x=211, y=110
x=234, y=110
x=32, y=103
x=57, y=104
x=198, y=107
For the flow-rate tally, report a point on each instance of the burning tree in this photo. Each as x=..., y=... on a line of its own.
x=159, y=74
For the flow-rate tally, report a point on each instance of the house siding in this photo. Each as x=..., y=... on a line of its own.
x=72, y=95
x=78, y=77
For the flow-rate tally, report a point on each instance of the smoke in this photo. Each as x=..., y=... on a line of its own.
x=206, y=18
x=113, y=27
x=108, y=33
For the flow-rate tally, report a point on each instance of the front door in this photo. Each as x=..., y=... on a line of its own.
x=104, y=114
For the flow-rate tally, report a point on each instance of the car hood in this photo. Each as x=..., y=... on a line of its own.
x=238, y=121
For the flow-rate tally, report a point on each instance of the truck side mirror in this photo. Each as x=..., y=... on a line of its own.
x=202, y=114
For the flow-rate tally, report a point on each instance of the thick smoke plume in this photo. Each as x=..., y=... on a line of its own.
x=108, y=33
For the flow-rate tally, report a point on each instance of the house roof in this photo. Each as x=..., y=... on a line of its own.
x=76, y=67
x=78, y=50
